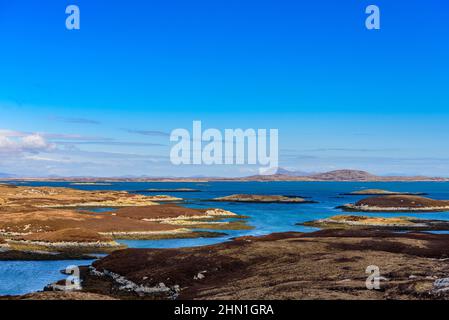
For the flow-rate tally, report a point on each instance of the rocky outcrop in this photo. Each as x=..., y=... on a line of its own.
x=402, y=203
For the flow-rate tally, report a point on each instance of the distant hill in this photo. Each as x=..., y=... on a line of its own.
x=282, y=175
x=337, y=175
x=345, y=175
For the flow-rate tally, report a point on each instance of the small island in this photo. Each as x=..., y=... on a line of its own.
x=262, y=199
x=380, y=192
x=378, y=223
x=397, y=203
x=170, y=190
x=91, y=184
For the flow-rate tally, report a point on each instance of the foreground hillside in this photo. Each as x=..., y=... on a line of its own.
x=328, y=264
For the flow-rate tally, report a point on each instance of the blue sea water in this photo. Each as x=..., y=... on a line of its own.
x=20, y=277
x=23, y=277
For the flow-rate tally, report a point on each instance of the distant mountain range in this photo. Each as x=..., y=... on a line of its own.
x=281, y=175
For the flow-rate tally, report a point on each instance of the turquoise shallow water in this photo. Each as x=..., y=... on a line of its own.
x=23, y=277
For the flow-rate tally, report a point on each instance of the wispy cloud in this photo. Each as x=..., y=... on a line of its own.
x=109, y=155
x=112, y=143
x=52, y=136
x=150, y=133
x=73, y=137
x=76, y=120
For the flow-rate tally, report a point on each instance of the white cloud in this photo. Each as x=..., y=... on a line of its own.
x=36, y=142
x=6, y=144
x=14, y=143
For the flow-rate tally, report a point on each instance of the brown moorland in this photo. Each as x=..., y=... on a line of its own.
x=280, y=266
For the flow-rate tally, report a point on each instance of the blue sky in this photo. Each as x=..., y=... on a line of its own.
x=101, y=100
